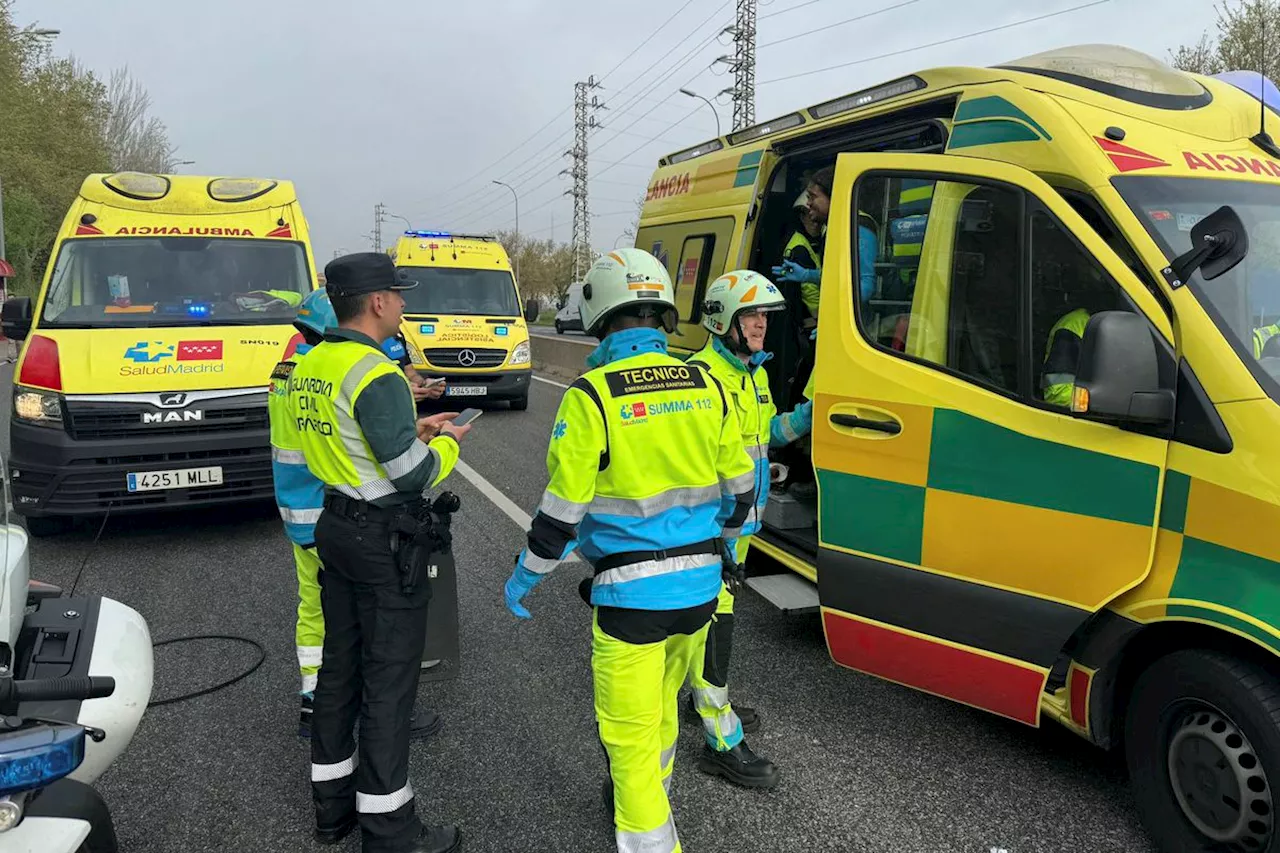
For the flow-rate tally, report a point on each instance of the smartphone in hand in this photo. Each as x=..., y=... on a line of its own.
x=467, y=416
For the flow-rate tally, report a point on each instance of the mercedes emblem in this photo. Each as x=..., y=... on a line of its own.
x=466, y=358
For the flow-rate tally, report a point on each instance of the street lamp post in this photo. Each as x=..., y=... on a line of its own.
x=516, y=196
x=407, y=223
x=713, y=106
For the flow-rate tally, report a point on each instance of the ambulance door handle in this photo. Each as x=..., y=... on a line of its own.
x=855, y=422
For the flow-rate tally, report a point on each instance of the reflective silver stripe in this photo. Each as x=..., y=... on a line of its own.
x=710, y=698
x=721, y=726
x=288, y=457
x=731, y=533
x=407, y=461
x=383, y=803
x=379, y=488
x=758, y=451
x=330, y=772
x=310, y=655
x=538, y=565
x=367, y=469
x=653, y=568
x=349, y=491
x=738, y=485
x=788, y=429
x=666, y=783
x=560, y=509
x=668, y=756
x=300, y=516
x=1051, y=379
x=309, y=682
x=651, y=506
x=660, y=840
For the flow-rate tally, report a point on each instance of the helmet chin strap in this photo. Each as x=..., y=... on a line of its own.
x=740, y=346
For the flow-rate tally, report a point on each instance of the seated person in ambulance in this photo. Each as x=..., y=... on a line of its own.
x=804, y=248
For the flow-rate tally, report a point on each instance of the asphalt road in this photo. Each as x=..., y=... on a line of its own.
x=550, y=332
x=867, y=765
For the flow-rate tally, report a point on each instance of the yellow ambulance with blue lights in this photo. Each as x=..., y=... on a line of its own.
x=142, y=381
x=464, y=319
x=1044, y=478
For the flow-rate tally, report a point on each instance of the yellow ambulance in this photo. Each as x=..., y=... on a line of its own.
x=141, y=384
x=464, y=321
x=1046, y=402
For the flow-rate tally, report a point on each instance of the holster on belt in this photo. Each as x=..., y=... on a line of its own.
x=417, y=532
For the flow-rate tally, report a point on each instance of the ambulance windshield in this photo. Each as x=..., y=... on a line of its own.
x=1244, y=302
x=138, y=282
x=456, y=290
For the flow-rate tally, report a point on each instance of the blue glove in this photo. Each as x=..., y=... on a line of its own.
x=793, y=273
x=520, y=584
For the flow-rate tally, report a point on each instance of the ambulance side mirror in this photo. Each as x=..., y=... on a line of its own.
x=1218, y=243
x=531, y=310
x=1118, y=379
x=15, y=318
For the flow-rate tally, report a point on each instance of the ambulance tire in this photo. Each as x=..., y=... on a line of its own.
x=519, y=404
x=1221, y=716
x=44, y=526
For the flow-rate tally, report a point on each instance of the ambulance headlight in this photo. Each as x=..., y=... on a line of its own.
x=38, y=407
x=520, y=355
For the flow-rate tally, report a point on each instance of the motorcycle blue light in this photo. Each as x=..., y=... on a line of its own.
x=34, y=758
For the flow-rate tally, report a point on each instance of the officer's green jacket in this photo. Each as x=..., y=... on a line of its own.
x=356, y=415
x=642, y=449
x=1261, y=336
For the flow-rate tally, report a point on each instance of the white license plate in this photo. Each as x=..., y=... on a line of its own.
x=466, y=391
x=181, y=478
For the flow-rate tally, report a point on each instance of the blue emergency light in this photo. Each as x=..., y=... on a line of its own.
x=199, y=309
x=443, y=235
x=34, y=758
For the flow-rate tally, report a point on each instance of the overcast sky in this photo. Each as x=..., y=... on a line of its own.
x=420, y=104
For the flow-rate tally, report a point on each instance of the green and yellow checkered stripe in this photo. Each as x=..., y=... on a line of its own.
x=1218, y=558
x=963, y=496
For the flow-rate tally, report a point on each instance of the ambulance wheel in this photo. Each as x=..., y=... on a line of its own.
x=1202, y=740
x=44, y=526
x=519, y=404
x=559, y=328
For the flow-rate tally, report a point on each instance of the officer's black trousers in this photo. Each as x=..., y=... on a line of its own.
x=373, y=642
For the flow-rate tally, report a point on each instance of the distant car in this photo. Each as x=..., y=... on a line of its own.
x=569, y=311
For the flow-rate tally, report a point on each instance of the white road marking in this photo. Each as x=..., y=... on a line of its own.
x=549, y=382
x=502, y=502
x=490, y=491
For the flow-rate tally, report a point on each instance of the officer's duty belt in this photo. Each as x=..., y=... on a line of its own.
x=354, y=509
x=627, y=558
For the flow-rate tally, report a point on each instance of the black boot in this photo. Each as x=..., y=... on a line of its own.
x=334, y=834
x=304, y=716
x=437, y=839
x=740, y=766
x=748, y=717
x=424, y=723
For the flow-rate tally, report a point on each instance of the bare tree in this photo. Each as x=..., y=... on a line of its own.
x=138, y=141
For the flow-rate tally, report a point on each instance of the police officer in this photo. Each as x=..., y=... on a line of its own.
x=397, y=349
x=300, y=498
x=642, y=449
x=355, y=412
x=736, y=314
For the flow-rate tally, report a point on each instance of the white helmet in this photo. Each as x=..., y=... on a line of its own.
x=737, y=292
x=622, y=278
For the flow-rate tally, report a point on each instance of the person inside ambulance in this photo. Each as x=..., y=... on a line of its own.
x=804, y=248
x=736, y=313
x=819, y=193
x=1062, y=355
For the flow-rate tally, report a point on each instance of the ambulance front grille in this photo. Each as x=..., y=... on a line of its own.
x=456, y=357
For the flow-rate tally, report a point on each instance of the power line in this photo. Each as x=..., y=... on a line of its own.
x=838, y=24
x=651, y=139
x=790, y=9
x=936, y=43
x=651, y=37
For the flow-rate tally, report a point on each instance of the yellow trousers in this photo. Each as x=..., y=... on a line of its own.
x=709, y=676
x=309, y=632
x=635, y=687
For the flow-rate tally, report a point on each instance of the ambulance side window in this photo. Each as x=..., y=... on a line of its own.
x=961, y=307
x=691, y=275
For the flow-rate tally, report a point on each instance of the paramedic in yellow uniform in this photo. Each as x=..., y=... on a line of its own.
x=643, y=449
x=736, y=313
